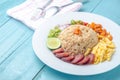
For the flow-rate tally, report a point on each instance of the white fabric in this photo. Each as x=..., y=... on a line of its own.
x=26, y=11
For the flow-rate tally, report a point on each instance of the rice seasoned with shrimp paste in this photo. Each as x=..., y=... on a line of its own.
x=76, y=43
x=82, y=43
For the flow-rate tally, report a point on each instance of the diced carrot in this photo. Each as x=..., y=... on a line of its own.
x=92, y=25
x=98, y=26
x=103, y=33
x=77, y=31
x=110, y=37
x=98, y=30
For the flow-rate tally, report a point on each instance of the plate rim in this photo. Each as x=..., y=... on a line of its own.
x=63, y=71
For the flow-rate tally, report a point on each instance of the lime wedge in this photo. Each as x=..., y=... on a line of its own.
x=53, y=43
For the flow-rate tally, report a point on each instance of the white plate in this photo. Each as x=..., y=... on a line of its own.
x=46, y=56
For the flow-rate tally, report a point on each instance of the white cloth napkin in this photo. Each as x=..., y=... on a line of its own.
x=26, y=11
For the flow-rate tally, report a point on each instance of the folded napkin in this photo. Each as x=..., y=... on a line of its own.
x=28, y=12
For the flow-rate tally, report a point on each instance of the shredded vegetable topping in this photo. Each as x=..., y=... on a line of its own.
x=54, y=32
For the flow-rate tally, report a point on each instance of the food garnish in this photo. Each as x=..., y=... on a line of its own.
x=94, y=46
x=54, y=32
x=100, y=30
x=53, y=43
x=77, y=31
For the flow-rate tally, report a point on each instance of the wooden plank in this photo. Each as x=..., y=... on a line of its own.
x=90, y=5
x=12, y=34
x=48, y=73
x=17, y=58
x=21, y=65
x=4, y=6
x=109, y=9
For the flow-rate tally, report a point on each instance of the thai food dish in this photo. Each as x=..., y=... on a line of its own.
x=81, y=43
x=77, y=42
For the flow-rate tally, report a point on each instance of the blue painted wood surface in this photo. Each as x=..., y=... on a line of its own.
x=17, y=58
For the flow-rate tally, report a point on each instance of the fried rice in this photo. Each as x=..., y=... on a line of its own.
x=78, y=44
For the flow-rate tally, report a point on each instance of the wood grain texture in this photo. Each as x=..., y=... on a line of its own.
x=17, y=58
x=51, y=74
x=4, y=6
x=21, y=65
x=109, y=9
x=90, y=5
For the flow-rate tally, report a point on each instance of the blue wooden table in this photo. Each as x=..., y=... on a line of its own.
x=17, y=58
